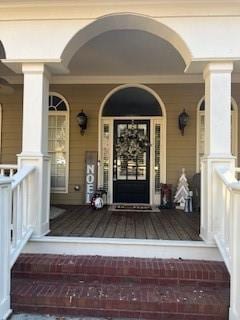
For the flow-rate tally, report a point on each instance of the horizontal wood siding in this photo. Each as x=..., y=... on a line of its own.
x=181, y=150
x=11, y=125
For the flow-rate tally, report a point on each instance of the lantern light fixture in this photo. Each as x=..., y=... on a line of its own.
x=183, y=119
x=82, y=120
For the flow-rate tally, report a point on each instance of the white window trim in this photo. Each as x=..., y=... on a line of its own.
x=234, y=141
x=67, y=114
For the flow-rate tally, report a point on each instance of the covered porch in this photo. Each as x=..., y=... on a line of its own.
x=166, y=224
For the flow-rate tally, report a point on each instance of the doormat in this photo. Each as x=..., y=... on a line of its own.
x=133, y=208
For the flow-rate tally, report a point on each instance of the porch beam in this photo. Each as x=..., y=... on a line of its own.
x=35, y=142
x=217, y=151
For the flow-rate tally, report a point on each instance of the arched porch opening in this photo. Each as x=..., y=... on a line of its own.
x=125, y=21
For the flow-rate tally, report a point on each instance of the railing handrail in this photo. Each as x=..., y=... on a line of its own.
x=229, y=179
x=21, y=175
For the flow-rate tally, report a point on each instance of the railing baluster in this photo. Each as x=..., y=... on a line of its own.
x=14, y=223
x=8, y=170
x=20, y=212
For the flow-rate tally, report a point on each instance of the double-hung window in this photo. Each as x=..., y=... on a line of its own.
x=58, y=142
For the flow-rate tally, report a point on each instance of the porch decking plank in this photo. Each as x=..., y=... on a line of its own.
x=191, y=224
x=99, y=232
x=159, y=227
x=164, y=220
x=89, y=231
x=85, y=222
x=111, y=227
x=130, y=232
x=70, y=214
x=82, y=221
x=140, y=229
x=150, y=230
x=121, y=226
x=65, y=226
x=182, y=234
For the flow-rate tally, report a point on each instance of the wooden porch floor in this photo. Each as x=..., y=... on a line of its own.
x=82, y=221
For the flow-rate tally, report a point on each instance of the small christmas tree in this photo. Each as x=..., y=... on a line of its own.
x=182, y=192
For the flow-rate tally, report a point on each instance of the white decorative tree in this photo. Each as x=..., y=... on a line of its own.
x=182, y=192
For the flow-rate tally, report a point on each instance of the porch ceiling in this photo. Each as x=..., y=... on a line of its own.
x=126, y=52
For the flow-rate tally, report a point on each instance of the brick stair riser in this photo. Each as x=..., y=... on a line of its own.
x=84, y=303
x=184, y=271
x=120, y=297
x=119, y=279
x=187, y=272
x=59, y=311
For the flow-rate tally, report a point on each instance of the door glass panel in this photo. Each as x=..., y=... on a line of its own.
x=122, y=168
x=157, y=157
x=141, y=173
x=133, y=168
x=106, y=151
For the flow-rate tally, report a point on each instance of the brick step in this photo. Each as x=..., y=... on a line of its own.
x=120, y=300
x=119, y=269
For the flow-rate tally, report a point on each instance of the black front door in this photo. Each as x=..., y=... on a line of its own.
x=131, y=174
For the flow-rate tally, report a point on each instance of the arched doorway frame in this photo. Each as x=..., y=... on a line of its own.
x=162, y=120
x=234, y=136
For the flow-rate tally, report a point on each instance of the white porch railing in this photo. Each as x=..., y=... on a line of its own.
x=8, y=170
x=15, y=227
x=227, y=234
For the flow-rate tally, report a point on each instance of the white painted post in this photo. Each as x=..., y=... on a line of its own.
x=234, y=312
x=217, y=144
x=35, y=143
x=5, y=233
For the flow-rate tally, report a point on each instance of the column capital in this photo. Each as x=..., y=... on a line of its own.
x=217, y=67
x=36, y=68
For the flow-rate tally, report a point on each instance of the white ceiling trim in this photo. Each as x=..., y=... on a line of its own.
x=163, y=79
x=127, y=79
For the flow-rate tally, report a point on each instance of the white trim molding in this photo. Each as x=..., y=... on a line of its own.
x=67, y=116
x=164, y=249
x=160, y=120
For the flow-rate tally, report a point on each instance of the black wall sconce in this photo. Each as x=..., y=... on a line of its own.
x=183, y=121
x=82, y=120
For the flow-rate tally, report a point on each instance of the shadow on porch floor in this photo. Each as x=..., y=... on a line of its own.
x=82, y=221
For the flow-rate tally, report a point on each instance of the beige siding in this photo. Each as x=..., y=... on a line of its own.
x=181, y=150
x=11, y=126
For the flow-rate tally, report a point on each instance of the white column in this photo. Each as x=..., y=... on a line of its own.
x=217, y=143
x=5, y=215
x=35, y=143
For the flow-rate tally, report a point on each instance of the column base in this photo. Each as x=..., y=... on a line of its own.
x=207, y=237
x=5, y=309
x=210, y=194
x=233, y=315
x=39, y=191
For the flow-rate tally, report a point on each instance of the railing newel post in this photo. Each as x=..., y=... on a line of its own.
x=5, y=238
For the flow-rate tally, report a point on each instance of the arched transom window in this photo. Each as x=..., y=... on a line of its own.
x=58, y=141
x=201, y=130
